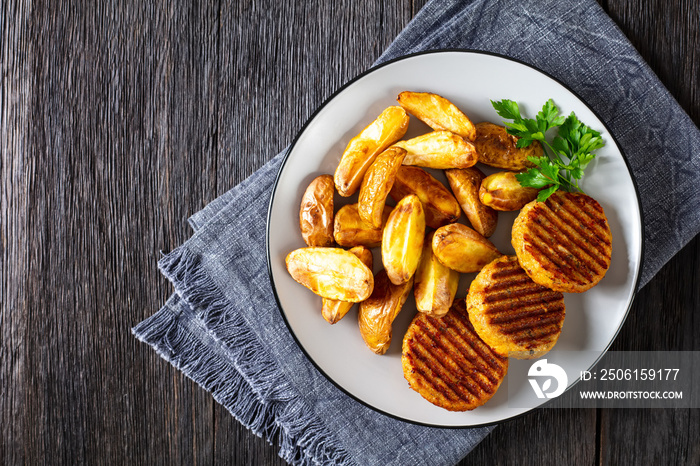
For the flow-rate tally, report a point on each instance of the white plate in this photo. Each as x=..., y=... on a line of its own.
x=470, y=80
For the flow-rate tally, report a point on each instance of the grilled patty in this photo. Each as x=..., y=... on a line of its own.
x=446, y=362
x=564, y=243
x=512, y=314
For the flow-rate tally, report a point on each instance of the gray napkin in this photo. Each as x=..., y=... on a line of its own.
x=222, y=327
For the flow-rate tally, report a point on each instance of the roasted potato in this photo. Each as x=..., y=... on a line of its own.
x=465, y=184
x=434, y=285
x=502, y=191
x=332, y=273
x=439, y=149
x=438, y=113
x=361, y=151
x=349, y=230
x=334, y=310
x=462, y=249
x=439, y=204
x=376, y=185
x=498, y=149
x=316, y=212
x=379, y=311
x=402, y=239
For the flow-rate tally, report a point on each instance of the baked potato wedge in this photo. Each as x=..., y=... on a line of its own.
x=498, y=149
x=462, y=249
x=465, y=184
x=376, y=185
x=386, y=129
x=349, y=230
x=402, y=239
x=439, y=204
x=316, y=212
x=440, y=150
x=502, y=191
x=332, y=273
x=334, y=310
x=378, y=312
x=434, y=285
x=438, y=113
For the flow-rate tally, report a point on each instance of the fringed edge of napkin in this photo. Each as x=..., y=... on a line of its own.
x=269, y=405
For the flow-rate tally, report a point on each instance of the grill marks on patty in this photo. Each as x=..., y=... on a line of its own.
x=448, y=364
x=564, y=243
x=514, y=307
x=513, y=314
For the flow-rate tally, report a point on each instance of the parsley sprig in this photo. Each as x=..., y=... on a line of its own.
x=565, y=157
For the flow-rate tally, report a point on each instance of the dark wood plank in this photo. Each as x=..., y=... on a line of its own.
x=15, y=175
x=103, y=162
x=544, y=437
x=161, y=120
x=278, y=62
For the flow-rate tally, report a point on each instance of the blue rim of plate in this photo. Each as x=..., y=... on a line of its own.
x=313, y=117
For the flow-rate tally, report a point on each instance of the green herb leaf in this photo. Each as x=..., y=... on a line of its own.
x=548, y=116
x=545, y=193
x=523, y=142
x=576, y=173
x=507, y=109
x=549, y=169
x=584, y=160
x=560, y=145
x=533, y=178
x=567, y=154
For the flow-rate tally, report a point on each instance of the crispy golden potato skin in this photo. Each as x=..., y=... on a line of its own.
x=440, y=205
x=386, y=129
x=377, y=312
x=462, y=249
x=497, y=148
x=564, y=243
x=465, y=184
x=377, y=183
x=316, y=212
x=332, y=273
x=402, y=239
x=349, y=230
x=434, y=285
x=438, y=113
x=502, y=191
x=333, y=310
x=511, y=313
x=439, y=150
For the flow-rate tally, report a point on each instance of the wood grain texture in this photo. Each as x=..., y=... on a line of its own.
x=120, y=120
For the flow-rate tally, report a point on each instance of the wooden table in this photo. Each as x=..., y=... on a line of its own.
x=118, y=122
